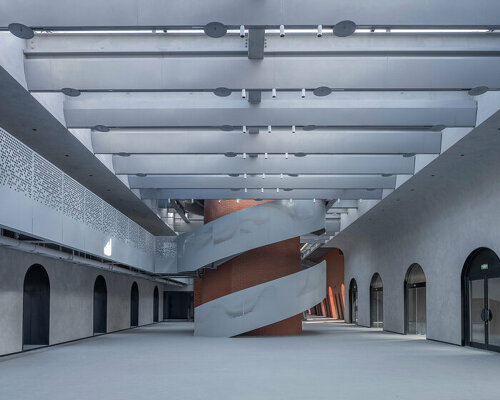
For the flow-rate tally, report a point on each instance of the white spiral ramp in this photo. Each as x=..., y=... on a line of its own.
x=244, y=230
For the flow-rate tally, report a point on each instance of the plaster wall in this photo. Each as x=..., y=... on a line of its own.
x=71, y=298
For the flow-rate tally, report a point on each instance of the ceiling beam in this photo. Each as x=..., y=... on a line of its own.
x=372, y=109
x=271, y=194
x=275, y=164
x=257, y=182
x=208, y=73
x=218, y=142
x=293, y=13
x=103, y=44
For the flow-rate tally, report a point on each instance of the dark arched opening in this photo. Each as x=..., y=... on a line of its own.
x=353, y=302
x=156, y=305
x=100, y=305
x=36, y=307
x=415, y=301
x=376, y=302
x=481, y=300
x=134, y=305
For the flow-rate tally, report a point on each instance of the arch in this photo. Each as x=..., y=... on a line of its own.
x=353, y=301
x=134, y=305
x=376, y=301
x=415, y=301
x=100, y=305
x=481, y=300
x=36, y=307
x=156, y=304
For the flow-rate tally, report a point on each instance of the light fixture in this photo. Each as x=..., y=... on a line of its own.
x=262, y=190
x=222, y=91
x=265, y=156
x=168, y=201
x=219, y=201
x=322, y=91
x=192, y=201
x=215, y=29
x=273, y=93
x=303, y=93
x=230, y=154
x=242, y=31
x=21, y=31
x=281, y=175
x=245, y=156
x=245, y=175
x=344, y=28
x=286, y=156
x=71, y=92
x=101, y=128
x=226, y=128
x=478, y=90
x=244, y=129
x=293, y=128
x=282, y=30
x=320, y=31
x=291, y=200
x=243, y=94
x=237, y=200
x=269, y=129
x=246, y=190
x=277, y=190
x=263, y=175
x=314, y=200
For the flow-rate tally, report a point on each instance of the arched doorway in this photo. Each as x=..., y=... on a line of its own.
x=134, y=305
x=100, y=305
x=156, y=305
x=415, y=301
x=481, y=292
x=353, y=301
x=36, y=307
x=376, y=302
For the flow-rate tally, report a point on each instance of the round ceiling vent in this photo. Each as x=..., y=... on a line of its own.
x=71, y=92
x=344, y=28
x=21, y=31
x=478, y=90
x=215, y=29
x=322, y=91
x=222, y=92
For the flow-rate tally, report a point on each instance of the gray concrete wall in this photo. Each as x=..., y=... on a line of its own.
x=71, y=298
x=438, y=230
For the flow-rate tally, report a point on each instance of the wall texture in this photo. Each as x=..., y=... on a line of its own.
x=437, y=219
x=71, y=298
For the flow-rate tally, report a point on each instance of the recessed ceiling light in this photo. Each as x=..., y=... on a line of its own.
x=21, y=31
x=222, y=92
x=101, y=128
x=438, y=128
x=322, y=91
x=71, y=92
x=309, y=127
x=215, y=29
x=122, y=154
x=141, y=175
x=344, y=28
x=230, y=154
x=478, y=90
x=227, y=128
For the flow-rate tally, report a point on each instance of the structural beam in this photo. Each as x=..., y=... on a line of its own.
x=132, y=44
x=257, y=182
x=280, y=142
x=256, y=40
x=297, y=194
x=94, y=14
x=205, y=73
x=275, y=164
x=372, y=109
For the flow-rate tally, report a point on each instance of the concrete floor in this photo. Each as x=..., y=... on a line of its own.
x=329, y=361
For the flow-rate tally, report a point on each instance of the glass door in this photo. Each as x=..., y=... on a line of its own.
x=477, y=306
x=493, y=323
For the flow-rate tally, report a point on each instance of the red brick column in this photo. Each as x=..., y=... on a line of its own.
x=249, y=269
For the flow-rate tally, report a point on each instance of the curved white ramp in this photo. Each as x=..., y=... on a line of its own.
x=248, y=229
x=262, y=305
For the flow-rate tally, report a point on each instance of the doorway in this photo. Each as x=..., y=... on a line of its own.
x=376, y=302
x=134, y=305
x=415, y=301
x=100, y=305
x=178, y=305
x=156, y=305
x=36, y=307
x=353, y=301
x=481, y=293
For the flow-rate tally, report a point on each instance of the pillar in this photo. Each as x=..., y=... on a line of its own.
x=251, y=268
